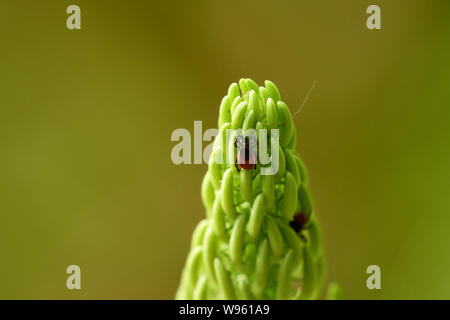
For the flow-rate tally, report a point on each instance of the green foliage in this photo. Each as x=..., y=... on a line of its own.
x=245, y=247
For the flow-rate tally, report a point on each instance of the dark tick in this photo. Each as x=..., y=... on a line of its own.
x=246, y=156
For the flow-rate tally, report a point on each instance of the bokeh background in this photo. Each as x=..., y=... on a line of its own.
x=86, y=116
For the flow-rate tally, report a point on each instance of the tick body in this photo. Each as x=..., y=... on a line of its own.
x=246, y=156
x=299, y=222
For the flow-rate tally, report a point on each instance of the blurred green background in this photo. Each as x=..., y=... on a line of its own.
x=86, y=116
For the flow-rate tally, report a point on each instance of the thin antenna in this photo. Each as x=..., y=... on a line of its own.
x=306, y=98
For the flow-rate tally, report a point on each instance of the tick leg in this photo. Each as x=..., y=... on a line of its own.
x=237, y=166
x=238, y=141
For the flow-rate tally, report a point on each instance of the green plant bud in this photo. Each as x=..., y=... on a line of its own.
x=218, y=218
x=291, y=166
x=209, y=243
x=231, y=153
x=225, y=111
x=305, y=201
x=207, y=192
x=243, y=86
x=268, y=189
x=262, y=268
x=265, y=94
x=283, y=278
x=309, y=277
x=221, y=139
x=290, y=197
x=227, y=193
x=256, y=216
x=320, y=271
x=224, y=280
x=295, y=243
x=200, y=288
x=302, y=170
x=293, y=141
x=271, y=114
x=233, y=91
x=246, y=177
x=234, y=104
x=193, y=264
x=215, y=169
x=275, y=238
x=252, y=85
x=250, y=121
x=314, y=236
x=282, y=164
x=286, y=129
x=199, y=232
x=238, y=117
x=237, y=239
x=253, y=104
x=273, y=90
